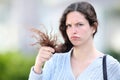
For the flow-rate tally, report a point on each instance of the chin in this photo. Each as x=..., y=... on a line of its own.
x=76, y=44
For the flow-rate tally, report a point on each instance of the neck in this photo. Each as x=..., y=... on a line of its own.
x=84, y=52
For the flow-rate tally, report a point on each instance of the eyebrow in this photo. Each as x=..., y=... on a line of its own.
x=75, y=23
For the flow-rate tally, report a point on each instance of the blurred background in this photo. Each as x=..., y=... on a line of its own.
x=18, y=16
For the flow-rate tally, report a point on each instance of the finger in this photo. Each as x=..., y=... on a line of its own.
x=44, y=59
x=47, y=55
x=49, y=49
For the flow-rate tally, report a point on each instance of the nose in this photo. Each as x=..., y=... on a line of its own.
x=74, y=30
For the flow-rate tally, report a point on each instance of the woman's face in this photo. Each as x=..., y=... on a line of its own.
x=78, y=29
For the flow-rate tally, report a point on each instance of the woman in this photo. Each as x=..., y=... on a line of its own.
x=81, y=60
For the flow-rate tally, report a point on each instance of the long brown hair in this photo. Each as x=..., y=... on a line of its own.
x=83, y=7
x=46, y=39
x=87, y=10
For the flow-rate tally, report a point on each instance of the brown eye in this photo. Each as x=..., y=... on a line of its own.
x=79, y=25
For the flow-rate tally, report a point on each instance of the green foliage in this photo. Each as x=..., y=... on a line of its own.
x=15, y=66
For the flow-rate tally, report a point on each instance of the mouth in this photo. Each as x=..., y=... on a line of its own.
x=74, y=38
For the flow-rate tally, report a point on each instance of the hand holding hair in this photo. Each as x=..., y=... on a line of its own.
x=45, y=53
x=48, y=47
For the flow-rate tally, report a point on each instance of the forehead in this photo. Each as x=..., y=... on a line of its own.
x=75, y=16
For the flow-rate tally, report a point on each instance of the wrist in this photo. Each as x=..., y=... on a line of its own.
x=37, y=69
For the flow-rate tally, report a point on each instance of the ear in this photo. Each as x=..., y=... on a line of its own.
x=94, y=27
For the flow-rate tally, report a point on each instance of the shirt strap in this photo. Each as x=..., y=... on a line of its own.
x=104, y=68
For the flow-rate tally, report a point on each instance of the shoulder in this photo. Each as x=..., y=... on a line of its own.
x=113, y=67
x=111, y=61
x=60, y=56
x=56, y=61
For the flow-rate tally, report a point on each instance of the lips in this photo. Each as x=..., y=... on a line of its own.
x=74, y=37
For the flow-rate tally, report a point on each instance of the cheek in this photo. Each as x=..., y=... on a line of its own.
x=84, y=31
x=68, y=32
